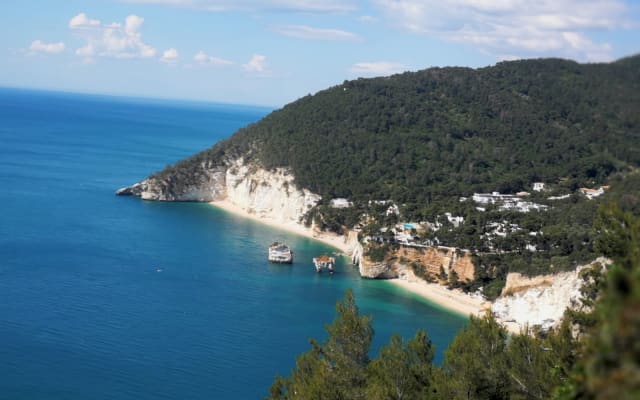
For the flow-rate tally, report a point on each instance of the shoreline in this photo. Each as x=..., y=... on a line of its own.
x=452, y=300
x=331, y=239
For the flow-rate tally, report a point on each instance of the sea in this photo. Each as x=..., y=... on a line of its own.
x=106, y=297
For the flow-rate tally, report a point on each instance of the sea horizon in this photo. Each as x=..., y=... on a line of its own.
x=147, y=99
x=111, y=297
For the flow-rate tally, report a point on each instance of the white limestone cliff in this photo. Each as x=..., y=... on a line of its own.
x=540, y=300
x=271, y=194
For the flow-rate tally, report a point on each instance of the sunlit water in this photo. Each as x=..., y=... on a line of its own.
x=105, y=297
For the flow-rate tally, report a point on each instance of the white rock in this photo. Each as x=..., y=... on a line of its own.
x=270, y=194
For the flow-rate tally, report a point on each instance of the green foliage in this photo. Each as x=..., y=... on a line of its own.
x=493, y=289
x=424, y=137
x=619, y=235
x=453, y=280
x=377, y=252
x=421, y=273
x=536, y=366
x=610, y=363
x=483, y=361
x=474, y=365
x=334, y=369
x=402, y=371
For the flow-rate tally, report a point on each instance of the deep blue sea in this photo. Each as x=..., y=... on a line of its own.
x=105, y=297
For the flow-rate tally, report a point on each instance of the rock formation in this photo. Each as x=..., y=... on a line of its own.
x=208, y=184
x=429, y=259
x=540, y=300
x=257, y=191
x=271, y=194
x=432, y=259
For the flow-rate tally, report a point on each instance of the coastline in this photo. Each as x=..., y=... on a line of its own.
x=452, y=300
x=331, y=239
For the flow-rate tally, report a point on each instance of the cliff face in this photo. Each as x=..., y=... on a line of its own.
x=270, y=194
x=378, y=270
x=355, y=248
x=539, y=300
x=207, y=184
x=430, y=259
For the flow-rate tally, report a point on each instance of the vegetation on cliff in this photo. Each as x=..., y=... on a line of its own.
x=419, y=137
x=483, y=361
x=424, y=139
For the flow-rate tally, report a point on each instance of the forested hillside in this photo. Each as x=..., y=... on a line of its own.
x=422, y=140
x=422, y=136
x=483, y=361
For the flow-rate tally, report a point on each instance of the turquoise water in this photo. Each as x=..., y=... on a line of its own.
x=105, y=297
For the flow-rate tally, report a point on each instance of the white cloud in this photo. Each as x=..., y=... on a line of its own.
x=257, y=63
x=200, y=57
x=86, y=51
x=310, y=6
x=38, y=46
x=82, y=21
x=203, y=59
x=170, y=56
x=515, y=27
x=367, y=19
x=132, y=24
x=115, y=40
x=308, y=32
x=377, y=68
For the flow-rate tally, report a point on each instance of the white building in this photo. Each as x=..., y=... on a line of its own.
x=455, y=221
x=506, y=202
x=538, y=186
x=393, y=210
x=340, y=203
x=592, y=193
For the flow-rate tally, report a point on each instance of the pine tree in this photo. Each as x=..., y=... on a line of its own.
x=474, y=365
x=334, y=369
x=610, y=363
x=402, y=371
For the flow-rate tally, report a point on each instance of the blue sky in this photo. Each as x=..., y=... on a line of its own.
x=272, y=52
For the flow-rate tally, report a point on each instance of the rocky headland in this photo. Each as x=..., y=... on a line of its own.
x=457, y=176
x=272, y=197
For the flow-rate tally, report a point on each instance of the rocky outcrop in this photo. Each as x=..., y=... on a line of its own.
x=355, y=248
x=430, y=259
x=540, y=300
x=207, y=183
x=270, y=194
x=378, y=270
x=434, y=259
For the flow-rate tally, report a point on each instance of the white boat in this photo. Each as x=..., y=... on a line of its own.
x=280, y=253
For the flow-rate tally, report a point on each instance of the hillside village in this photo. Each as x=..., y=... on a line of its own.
x=417, y=242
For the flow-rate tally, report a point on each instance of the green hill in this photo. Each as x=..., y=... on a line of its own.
x=424, y=139
x=443, y=132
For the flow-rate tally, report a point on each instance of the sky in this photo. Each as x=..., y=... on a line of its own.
x=272, y=52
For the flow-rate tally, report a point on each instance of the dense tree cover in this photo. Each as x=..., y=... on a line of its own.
x=422, y=136
x=424, y=139
x=483, y=361
x=418, y=137
x=557, y=239
x=610, y=363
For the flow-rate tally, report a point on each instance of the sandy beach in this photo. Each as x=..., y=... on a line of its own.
x=338, y=242
x=454, y=300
